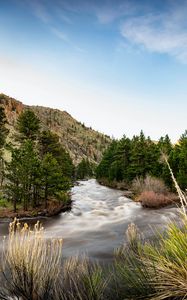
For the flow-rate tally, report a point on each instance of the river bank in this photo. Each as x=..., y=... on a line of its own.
x=54, y=208
x=151, y=193
x=98, y=220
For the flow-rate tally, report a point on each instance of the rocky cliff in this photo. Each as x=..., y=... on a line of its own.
x=79, y=140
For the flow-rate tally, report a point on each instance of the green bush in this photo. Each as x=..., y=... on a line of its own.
x=4, y=203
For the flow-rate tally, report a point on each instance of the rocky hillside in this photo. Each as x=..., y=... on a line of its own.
x=79, y=140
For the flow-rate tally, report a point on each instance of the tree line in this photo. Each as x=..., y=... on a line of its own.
x=40, y=169
x=126, y=159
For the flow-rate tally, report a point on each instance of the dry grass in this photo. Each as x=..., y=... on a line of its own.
x=81, y=280
x=33, y=269
x=181, y=194
x=149, y=183
x=155, y=200
x=31, y=263
x=152, y=192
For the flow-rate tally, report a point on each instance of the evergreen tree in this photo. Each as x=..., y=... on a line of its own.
x=138, y=156
x=22, y=174
x=165, y=146
x=119, y=168
x=84, y=169
x=182, y=161
x=126, y=159
x=13, y=187
x=52, y=179
x=37, y=171
x=28, y=125
x=103, y=169
x=49, y=143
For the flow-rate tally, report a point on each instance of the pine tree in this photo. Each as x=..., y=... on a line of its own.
x=28, y=125
x=49, y=143
x=23, y=175
x=84, y=169
x=182, y=161
x=52, y=179
x=103, y=168
x=13, y=187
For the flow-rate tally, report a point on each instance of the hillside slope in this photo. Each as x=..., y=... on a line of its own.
x=79, y=140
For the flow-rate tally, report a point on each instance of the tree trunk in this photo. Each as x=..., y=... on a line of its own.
x=45, y=196
x=15, y=202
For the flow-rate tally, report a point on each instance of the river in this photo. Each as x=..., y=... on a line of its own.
x=98, y=220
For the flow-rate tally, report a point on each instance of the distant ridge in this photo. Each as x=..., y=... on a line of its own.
x=79, y=140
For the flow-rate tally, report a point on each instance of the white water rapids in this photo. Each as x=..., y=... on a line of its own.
x=98, y=220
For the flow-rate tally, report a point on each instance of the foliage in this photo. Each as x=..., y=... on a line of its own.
x=49, y=143
x=28, y=125
x=128, y=159
x=37, y=171
x=23, y=174
x=84, y=169
x=52, y=179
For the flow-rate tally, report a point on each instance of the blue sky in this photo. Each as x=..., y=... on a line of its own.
x=118, y=66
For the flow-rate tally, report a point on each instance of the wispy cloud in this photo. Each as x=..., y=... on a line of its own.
x=64, y=37
x=110, y=11
x=61, y=35
x=164, y=32
x=51, y=13
x=65, y=18
x=40, y=11
x=160, y=28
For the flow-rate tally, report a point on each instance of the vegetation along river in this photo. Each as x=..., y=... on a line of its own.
x=98, y=220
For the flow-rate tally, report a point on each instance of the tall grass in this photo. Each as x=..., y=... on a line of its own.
x=181, y=194
x=82, y=280
x=31, y=266
x=33, y=269
x=155, y=270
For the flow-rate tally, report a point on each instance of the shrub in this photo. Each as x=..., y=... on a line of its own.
x=154, y=200
x=149, y=183
x=4, y=203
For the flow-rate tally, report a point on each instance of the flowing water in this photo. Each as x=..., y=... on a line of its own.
x=98, y=220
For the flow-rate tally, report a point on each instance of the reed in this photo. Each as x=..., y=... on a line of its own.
x=82, y=280
x=31, y=262
x=33, y=269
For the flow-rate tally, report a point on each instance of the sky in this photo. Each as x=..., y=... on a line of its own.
x=118, y=66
